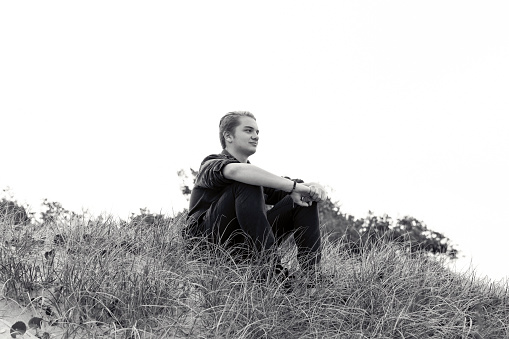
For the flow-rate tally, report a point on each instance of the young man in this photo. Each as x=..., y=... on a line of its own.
x=228, y=201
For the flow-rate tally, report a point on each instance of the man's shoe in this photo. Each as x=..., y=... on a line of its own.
x=284, y=278
x=319, y=279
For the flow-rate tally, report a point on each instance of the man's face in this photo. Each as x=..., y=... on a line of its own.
x=245, y=138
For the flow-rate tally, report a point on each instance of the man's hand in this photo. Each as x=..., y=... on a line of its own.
x=300, y=195
x=301, y=199
x=317, y=192
x=305, y=194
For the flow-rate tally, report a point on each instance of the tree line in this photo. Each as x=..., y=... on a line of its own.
x=356, y=233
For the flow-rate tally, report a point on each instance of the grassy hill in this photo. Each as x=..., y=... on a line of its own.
x=101, y=278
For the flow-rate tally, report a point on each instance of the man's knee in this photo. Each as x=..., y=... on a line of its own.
x=245, y=192
x=241, y=187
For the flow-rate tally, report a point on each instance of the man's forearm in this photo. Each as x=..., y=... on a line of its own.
x=253, y=175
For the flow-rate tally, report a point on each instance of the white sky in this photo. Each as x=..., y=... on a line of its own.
x=401, y=107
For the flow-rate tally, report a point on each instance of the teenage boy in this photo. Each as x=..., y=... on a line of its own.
x=228, y=202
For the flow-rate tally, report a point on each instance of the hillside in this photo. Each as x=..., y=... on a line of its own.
x=101, y=278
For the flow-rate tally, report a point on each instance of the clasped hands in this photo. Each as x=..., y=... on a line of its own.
x=309, y=192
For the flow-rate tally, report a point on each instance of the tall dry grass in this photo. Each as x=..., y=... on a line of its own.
x=100, y=278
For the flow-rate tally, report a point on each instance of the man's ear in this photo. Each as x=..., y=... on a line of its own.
x=228, y=137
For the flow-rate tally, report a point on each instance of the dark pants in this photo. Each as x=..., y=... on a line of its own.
x=239, y=220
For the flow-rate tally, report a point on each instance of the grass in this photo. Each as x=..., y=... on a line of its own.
x=99, y=278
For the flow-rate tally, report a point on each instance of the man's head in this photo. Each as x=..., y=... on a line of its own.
x=228, y=124
x=238, y=133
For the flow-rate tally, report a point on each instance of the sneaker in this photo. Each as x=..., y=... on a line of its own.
x=280, y=275
x=284, y=278
x=319, y=279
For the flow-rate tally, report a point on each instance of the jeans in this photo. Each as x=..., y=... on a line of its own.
x=239, y=220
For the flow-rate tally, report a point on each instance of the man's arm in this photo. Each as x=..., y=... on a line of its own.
x=253, y=175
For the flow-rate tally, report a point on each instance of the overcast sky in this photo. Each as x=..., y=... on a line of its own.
x=399, y=107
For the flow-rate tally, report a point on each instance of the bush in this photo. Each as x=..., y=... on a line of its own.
x=11, y=212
